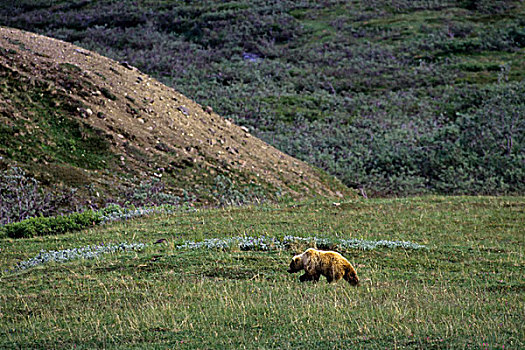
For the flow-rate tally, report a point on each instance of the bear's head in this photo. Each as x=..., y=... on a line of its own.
x=296, y=265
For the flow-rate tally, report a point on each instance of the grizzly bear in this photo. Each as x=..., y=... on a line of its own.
x=315, y=263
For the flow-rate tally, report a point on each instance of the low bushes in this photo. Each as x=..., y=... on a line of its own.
x=22, y=197
x=43, y=226
x=53, y=225
x=397, y=97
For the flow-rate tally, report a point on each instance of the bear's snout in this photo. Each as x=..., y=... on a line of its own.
x=292, y=269
x=294, y=266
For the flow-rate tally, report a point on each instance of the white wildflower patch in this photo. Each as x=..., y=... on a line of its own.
x=369, y=245
x=89, y=252
x=265, y=243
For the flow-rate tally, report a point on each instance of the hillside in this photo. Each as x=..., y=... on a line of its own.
x=72, y=118
x=396, y=97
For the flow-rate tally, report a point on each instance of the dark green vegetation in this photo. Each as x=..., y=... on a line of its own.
x=465, y=290
x=52, y=225
x=398, y=97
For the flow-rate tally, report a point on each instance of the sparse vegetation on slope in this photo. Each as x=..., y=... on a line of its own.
x=390, y=96
x=73, y=119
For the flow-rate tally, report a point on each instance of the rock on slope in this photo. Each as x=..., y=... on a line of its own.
x=74, y=117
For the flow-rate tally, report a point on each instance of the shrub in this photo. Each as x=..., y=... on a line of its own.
x=114, y=212
x=266, y=243
x=108, y=94
x=151, y=192
x=22, y=197
x=475, y=145
x=42, y=226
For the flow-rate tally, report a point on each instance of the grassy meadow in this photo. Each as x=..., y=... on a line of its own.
x=465, y=290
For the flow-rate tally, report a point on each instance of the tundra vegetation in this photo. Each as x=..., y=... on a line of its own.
x=396, y=97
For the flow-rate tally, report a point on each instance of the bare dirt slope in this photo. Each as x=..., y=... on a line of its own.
x=128, y=127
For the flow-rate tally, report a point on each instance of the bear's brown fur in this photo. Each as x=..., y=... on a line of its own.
x=330, y=264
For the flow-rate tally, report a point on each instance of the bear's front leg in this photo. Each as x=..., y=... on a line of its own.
x=305, y=277
x=333, y=276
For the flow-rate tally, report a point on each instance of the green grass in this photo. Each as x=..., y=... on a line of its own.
x=466, y=290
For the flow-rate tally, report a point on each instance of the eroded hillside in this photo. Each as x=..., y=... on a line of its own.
x=74, y=118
